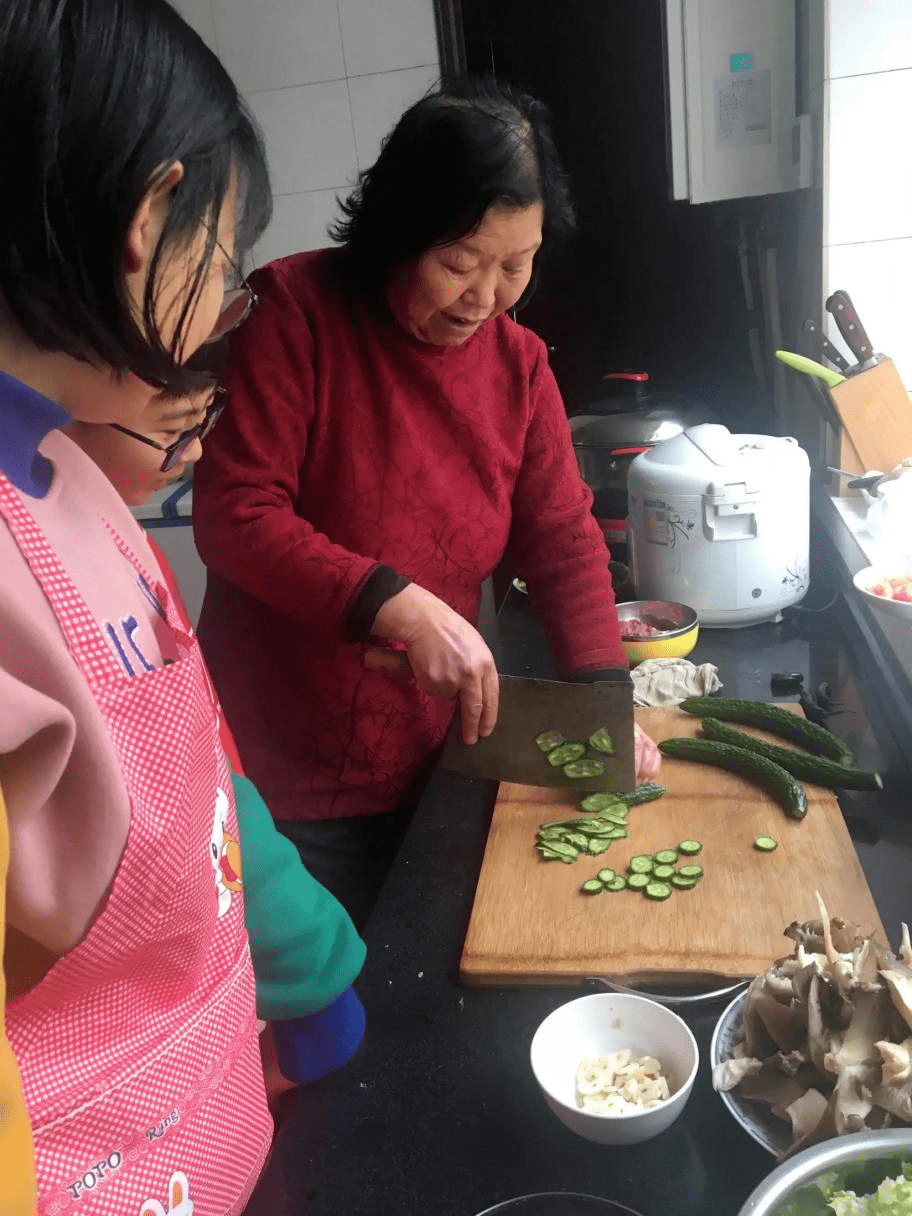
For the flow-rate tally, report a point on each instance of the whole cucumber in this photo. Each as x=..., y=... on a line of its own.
x=817, y=769
x=773, y=718
x=771, y=777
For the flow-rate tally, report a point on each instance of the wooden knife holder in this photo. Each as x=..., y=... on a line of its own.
x=876, y=415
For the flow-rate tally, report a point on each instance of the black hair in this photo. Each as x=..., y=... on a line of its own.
x=471, y=144
x=98, y=98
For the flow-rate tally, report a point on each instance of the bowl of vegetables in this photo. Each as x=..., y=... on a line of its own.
x=889, y=592
x=614, y=1068
x=865, y=1174
x=657, y=629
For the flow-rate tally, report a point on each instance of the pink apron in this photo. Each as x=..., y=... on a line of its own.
x=138, y=1050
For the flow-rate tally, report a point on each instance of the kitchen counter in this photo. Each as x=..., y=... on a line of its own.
x=439, y=1114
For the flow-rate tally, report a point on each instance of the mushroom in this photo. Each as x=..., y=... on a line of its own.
x=732, y=1072
x=897, y=1061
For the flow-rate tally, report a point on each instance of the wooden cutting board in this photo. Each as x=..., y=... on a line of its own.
x=531, y=924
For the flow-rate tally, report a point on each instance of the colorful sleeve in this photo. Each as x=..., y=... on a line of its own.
x=246, y=486
x=306, y=951
x=557, y=547
x=17, y=1156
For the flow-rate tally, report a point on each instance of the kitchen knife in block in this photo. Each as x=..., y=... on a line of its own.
x=876, y=415
x=529, y=707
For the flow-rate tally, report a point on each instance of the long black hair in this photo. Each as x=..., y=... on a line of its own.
x=471, y=144
x=98, y=98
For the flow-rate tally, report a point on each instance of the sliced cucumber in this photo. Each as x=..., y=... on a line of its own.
x=618, y=883
x=641, y=864
x=766, y=844
x=565, y=753
x=617, y=817
x=662, y=873
x=817, y=769
x=683, y=884
x=690, y=848
x=596, y=803
x=751, y=767
x=592, y=886
x=657, y=890
x=606, y=875
x=550, y=739
x=587, y=767
x=638, y=882
x=691, y=871
x=773, y=718
x=666, y=857
x=601, y=741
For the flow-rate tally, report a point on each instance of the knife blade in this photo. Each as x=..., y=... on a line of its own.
x=844, y=313
x=530, y=707
x=800, y=363
x=827, y=349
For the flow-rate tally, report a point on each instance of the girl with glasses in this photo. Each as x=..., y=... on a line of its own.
x=131, y=1002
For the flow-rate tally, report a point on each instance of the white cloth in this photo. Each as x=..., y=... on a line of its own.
x=671, y=681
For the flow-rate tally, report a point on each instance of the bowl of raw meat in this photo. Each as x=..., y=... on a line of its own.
x=657, y=629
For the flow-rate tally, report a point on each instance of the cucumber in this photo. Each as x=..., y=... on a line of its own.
x=550, y=739
x=817, y=769
x=775, y=719
x=666, y=857
x=657, y=890
x=662, y=873
x=587, y=767
x=690, y=848
x=766, y=844
x=693, y=872
x=683, y=884
x=618, y=883
x=641, y=864
x=597, y=803
x=638, y=882
x=606, y=875
x=601, y=741
x=771, y=777
x=565, y=753
x=592, y=886
x=647, y=792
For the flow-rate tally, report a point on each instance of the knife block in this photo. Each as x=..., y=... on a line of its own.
x=876, y=415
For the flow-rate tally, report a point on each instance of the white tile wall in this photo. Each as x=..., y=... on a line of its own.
x=326, y=79
x=869, y=36
x=378, y=100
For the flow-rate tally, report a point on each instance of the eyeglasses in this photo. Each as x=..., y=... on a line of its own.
x=236, y=308
x=176, y=451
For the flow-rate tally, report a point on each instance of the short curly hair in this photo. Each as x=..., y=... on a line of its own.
x=471, y=144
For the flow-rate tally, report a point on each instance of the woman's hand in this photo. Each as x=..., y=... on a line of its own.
x=647, y=757
x=448, y=656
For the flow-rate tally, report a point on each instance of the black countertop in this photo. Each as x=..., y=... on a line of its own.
x=439, y=1114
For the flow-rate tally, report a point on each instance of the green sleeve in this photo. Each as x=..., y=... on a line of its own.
x=305, y=949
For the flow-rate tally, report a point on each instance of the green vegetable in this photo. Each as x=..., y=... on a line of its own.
x=657, y=890
x=808, y=768
x=641, y=864
x=616, y=817
x=647, y=792
x=689, y=848
x=663, y=872
x=598, y=845
x=566, y=852
x=580, y=839
x=597, y=803
x=691, y=872
x=565, y=753
x=775, y=719
x=617, y=833
x=782, y=785
x=766, y=844
x=592, y=886
x=682, y=883
x=601, y=741
x=550, y=739
x=584, y=768
x=618, y=883
x=638, y=882
x=666, y=857
x=892, y=1198
x=606, y=875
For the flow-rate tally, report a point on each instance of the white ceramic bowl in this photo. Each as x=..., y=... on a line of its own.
x=871, y=575
x=601, y=1023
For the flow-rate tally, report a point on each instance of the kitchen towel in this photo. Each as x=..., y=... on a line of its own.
x=670, y=681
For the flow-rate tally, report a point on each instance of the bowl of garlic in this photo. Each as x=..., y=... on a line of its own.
x=614, y=1068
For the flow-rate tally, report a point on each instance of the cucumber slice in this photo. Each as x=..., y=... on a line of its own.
x=601, y=741
x=578, y=839
x=618, y=883
x=617, y=817
x=565, y=753
x=591, y=886
x=598, y=846
x=766, y=844
x=689, y=848
x=641, y=864
x=638, y=882
x=596, y=803
x=617, y=833
x=662, y=873
x=657, y=890
x=550, y=739
x=691, y=871
x=606, y=875
x=584, y=768
x=683, y=884
x=666, y=857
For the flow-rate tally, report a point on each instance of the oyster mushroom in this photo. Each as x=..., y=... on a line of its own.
x=732, y=1072
x=897, y=1061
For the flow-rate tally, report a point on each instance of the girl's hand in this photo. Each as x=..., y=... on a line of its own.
x=447, y=655
x=647, y=757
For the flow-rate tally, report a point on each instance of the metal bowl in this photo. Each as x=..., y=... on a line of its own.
x=857, y=1162
x=559, y=1203
x=673, y=643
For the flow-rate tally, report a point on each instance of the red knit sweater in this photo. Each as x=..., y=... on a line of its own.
x=348, y=443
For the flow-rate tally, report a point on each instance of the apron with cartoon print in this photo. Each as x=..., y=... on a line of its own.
x=138, y=1050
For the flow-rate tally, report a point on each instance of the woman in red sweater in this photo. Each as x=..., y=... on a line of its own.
x=392, y=433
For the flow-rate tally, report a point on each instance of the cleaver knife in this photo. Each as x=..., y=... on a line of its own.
x=530, y=707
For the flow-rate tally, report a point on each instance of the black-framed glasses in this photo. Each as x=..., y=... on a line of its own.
x=175, y=451
x=237, y=304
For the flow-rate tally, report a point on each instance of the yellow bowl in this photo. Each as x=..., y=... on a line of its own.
x=673, y=643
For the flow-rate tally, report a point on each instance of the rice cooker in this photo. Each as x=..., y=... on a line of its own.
x=721, y=522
